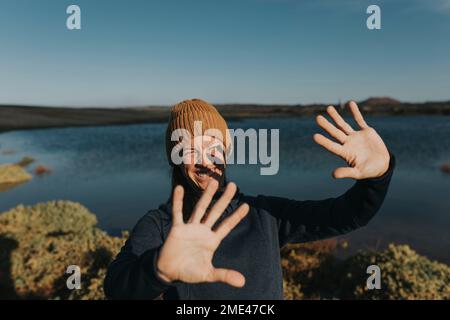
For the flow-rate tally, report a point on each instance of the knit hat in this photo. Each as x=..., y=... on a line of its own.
x=184, y=114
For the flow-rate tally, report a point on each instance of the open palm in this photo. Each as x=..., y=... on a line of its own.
x=189, y=248
x=363, y=150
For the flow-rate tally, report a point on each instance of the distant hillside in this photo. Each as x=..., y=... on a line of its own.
x=380, y=101
x=26, y=117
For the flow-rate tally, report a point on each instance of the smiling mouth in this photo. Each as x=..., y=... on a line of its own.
x=204, y=173
x=202, y=176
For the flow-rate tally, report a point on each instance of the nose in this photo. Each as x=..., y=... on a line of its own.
x=206, y=159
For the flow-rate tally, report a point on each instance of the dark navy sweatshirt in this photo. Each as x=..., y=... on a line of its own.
x=252, y=247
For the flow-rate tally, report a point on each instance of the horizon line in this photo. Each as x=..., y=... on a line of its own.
x=214, y=103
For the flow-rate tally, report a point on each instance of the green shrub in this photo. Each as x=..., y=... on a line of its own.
x=41, y=241
x=311, y=271
x=404, y=275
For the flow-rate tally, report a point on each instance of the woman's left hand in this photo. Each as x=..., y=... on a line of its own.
x=363, y=150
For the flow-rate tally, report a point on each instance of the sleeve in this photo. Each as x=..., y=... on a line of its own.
x=132, y=274
x=304, y=221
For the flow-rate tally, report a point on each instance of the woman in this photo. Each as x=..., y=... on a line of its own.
x=173, y=250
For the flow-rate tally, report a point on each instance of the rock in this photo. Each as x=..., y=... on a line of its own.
x=41, y=169
x=13, y=173
x=445, y=168
x=8, y=152
x=26, y=161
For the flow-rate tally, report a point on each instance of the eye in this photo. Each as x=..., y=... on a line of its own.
x=189, y=153
x=214, y=152
x=213, y=146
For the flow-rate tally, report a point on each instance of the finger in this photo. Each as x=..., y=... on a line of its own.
x=177, y=205
x=346, y=172
x=231, y=277
x=221, y=204
x=205, y=200
x=357, y=115
x=331, y=129
x=344, y=126
x=229, y=223
x=331, y=146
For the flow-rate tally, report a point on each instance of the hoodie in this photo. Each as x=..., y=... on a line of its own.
x=252, y=247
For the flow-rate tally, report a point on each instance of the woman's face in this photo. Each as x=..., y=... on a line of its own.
x=202, y=160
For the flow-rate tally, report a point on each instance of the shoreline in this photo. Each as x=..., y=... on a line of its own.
x=14, y=117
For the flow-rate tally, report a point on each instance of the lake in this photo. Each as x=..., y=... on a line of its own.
x=120, y=172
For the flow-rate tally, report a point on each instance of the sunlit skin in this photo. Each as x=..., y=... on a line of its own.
x=363, y=150
x=189, y=248
x=200, y=159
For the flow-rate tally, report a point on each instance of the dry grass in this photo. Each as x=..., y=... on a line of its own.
x=12, y=174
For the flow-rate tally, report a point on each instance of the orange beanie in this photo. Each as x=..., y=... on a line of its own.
x=184, y=114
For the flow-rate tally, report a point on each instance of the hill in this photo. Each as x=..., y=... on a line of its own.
x=27, y=117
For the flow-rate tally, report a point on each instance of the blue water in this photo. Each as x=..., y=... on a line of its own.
x=120, y=172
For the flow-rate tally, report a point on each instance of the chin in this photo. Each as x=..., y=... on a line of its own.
x=202, y=182
x=203, y=187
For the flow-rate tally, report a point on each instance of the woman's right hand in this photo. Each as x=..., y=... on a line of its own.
x=187, y=253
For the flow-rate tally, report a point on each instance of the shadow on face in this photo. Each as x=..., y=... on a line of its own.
x=203, y=160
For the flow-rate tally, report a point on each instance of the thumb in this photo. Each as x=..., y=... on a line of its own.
x=228, y=276
x=345, y=172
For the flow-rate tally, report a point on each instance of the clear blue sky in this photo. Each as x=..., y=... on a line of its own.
x=141, y=52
